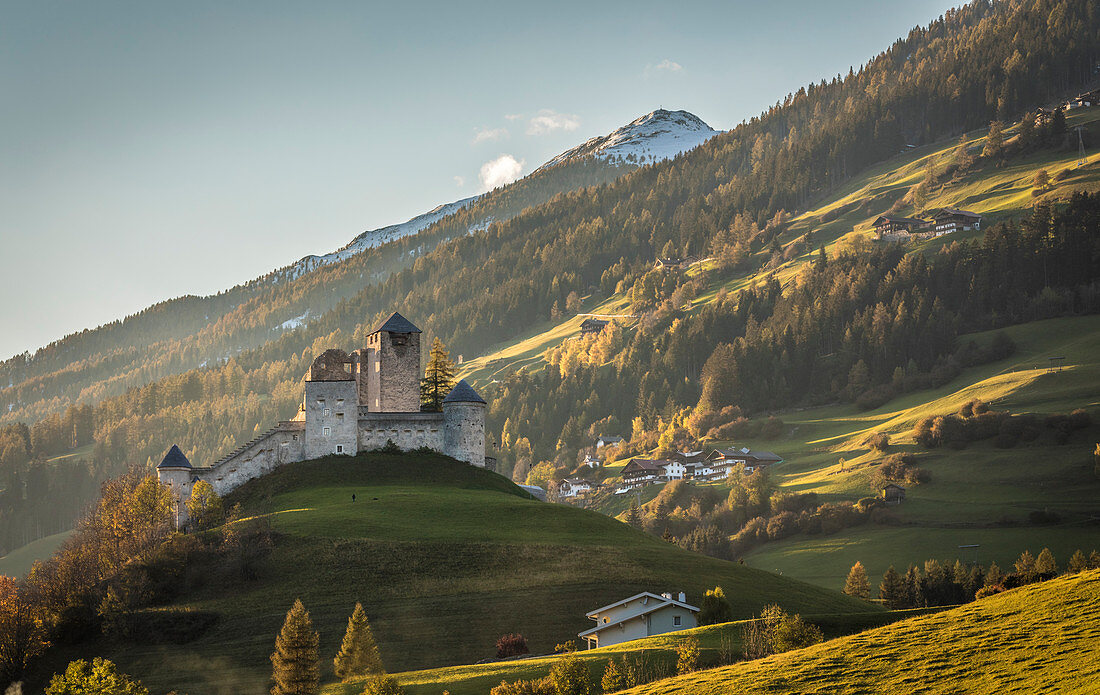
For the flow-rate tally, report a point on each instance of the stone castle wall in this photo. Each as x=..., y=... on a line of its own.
x=464, y=432
x=331, y=417
x=406, y=430
x=396, y=371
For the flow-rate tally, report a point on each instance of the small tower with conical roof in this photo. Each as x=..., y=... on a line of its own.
x=175, y=471
x=464, y=425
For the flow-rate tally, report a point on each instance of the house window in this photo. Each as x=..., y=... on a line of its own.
x=676, y=620
x=326, y=431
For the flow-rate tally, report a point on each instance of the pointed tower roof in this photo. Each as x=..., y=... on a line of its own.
x=397, y=323
x=174, y=459
x=463, y=393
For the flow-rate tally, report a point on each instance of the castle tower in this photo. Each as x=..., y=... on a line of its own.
x=392, y=366
x=174, y=470
x=464, y=425
x=331, y=406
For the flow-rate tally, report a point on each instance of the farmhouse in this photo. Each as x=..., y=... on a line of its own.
x=603, y=441
x=639, y=472
x=591, y=326
x=592, y=461
x=747, y=459
x=352, y=403
x=952, y=220
x=1084, y=100
x=641, y=615
x=571, y=487
x=894, y=227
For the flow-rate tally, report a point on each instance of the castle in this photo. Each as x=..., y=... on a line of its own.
x=352, y=403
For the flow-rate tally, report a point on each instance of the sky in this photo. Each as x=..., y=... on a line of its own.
x=150, y=150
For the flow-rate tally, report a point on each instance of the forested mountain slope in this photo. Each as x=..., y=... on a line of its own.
x=731, y=198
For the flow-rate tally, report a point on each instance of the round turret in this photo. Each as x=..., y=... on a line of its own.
x=464, y=425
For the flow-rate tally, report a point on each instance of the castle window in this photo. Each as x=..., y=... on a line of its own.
x=295, y=437
x=347, y=367
x=339, y=402
x=326, y=431
x=339, y=448
x=320, y=401
x=340, y=417
x=327, y=412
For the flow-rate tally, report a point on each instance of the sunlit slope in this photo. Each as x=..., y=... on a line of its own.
x=1043, y=638
x=998, y=192
x=445, y=558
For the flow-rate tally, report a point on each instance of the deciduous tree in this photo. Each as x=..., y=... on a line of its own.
x=857, y=584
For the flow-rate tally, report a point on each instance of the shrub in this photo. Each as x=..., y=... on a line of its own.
x=381, y=684
x=687, y=655
x=570, y=676
x=879, y=441
x=99, y=676
x=613, y=678
x=511, y=645
x=542, y=686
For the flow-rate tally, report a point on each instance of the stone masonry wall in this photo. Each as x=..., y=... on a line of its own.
x=332, y=413
x=396, y=371
x=464, y=432
x=406, y=430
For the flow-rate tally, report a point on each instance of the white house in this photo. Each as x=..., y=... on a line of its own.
x=641, y=615
x=603, y=441
x=571, y=487
x=676, y=470
x=592, y=461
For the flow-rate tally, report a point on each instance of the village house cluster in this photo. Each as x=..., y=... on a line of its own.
x=700, y=466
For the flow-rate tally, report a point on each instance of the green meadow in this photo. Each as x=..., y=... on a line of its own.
x=1042, y=638
x=444, y=557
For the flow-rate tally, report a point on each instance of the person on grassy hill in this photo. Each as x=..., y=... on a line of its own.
x=857, y=584
x=295, y=662
x=359, y=653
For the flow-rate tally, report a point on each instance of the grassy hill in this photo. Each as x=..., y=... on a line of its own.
x=1041, y=638
x=19, y=561
x=659, y=652
x=444, y=557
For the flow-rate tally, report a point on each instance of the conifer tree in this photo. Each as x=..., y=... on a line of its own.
x=994, y=576
x=295, y=664
x=914, y=588
x=1044, y=564
x=892, y=589
x=1077, y=563
x=634, y=516
x=439, y=377
x=358, y=653
x=994, y=142
x=857, y=584
x=1025, y=566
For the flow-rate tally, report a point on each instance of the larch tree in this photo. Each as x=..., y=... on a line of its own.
x=295, y=665
x=358, y=653
x=1045, y=564
x=892, y=590
x=439, y=377
x=204, y=507
x=857, y=584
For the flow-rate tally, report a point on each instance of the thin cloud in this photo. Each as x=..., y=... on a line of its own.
x=665, y=66
x=459, y=181
x=549, y=121
x=513, y=116
x=500, y=171
x=488, y=135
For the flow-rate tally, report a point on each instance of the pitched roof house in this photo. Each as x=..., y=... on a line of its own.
x=894, y=226
x=747, y=458
x=604, y=440
x=593, y=326
x=638, y=472
x=641, y=615
x=952, y=219
x=571, y=487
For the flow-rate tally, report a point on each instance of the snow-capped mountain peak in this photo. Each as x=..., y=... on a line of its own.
x=654, y=137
